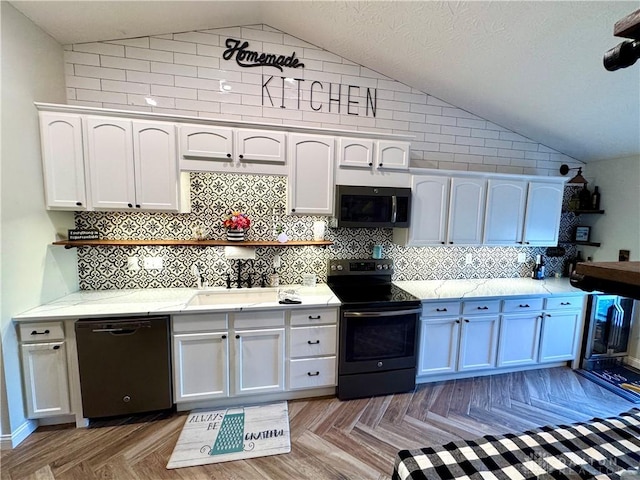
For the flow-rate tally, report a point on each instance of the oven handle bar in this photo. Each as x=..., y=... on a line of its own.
x=382, y=314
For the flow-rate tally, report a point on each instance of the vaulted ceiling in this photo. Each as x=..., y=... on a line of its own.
x=533, y=67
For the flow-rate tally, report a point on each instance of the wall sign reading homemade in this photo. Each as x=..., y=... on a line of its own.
x=322, y=96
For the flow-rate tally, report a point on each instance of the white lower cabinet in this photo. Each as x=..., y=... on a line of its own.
x=44, y=369
x=438, y=346
x=457, y=344
x=478, y=343
x=259, y=361
x=200, y=366
x=227, y=354
x=519, y=339
x=46, y=379
x=561, y=328
x=494, y=333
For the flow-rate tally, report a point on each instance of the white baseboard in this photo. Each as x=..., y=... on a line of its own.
x=12, y=440
x=634, y=362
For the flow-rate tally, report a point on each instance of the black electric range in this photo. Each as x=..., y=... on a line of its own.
x=378, y=329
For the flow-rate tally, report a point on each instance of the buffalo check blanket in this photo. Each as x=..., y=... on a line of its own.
x=599, y=449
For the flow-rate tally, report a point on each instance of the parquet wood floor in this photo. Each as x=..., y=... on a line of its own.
x=331, y=439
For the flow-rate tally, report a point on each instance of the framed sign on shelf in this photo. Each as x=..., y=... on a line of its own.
x=582, y=234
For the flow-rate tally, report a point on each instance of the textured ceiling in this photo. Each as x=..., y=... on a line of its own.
x=533, y=67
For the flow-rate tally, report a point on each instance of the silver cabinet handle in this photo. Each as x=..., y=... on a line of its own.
x=394, y=208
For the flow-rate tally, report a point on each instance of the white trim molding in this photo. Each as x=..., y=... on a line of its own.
x=12, y=440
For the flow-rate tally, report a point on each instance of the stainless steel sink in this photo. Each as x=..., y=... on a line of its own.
x=234, y=297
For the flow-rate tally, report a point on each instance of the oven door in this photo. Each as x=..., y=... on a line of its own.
x=373, y=340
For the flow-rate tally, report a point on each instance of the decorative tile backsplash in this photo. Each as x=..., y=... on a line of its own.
x=264, y=199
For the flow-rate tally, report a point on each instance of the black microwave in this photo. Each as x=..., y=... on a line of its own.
x=372, y=207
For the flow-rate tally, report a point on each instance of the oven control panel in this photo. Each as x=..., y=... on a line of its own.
x=367, y=266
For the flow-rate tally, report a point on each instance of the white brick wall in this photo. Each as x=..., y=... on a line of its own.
x=183, y=73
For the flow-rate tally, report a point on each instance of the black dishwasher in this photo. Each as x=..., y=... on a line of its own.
x=124, y=365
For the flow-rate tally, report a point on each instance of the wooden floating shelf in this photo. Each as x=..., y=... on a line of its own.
x=579, y=212
x=589, y=244
x=191, y=243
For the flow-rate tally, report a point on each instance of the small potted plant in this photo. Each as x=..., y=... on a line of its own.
x=237, y=223
x=282, y=237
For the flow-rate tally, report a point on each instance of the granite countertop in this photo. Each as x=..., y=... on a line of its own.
x=487, y=287
x=101, y=303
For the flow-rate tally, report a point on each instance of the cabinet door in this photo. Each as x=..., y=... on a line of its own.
x=156, y=166
x=259, y=361
x=390, y=154
x=519, y=339
x=504, y=216
x=310, y=184
x=261, y=146
x=542, y=217
x=200, y=366
x=478, y=343
x=355, y=152
x=466, y=211
x=63, y=161
x=110, y=151
x=46, y=380
x=558, y=340
x=211, y=143
x=429, y=206
x=438, y=346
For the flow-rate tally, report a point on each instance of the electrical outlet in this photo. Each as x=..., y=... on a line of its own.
x=468, y=259
x=133, y=264
x=522, y=257
x=153, y=263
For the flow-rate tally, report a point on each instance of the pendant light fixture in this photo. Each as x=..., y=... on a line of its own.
x=578, y=179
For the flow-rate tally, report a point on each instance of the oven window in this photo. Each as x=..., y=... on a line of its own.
x=379, y=338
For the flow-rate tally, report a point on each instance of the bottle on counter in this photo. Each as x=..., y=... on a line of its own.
x=275, y=279
x=538, y=270
x=595, y=198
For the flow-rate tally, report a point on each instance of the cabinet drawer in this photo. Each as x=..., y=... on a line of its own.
x=199, y=322
x=312, y=372
x=563, y=303
x=314, y=316
x=522, y=305
x=481, y=306
x=271, y=318
x=440, y=309
x=312, y=341
x=40, y=332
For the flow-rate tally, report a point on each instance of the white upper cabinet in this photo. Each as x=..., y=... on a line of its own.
x=523, y=212
x=156, y=169
x=392, y=154
x=232, y=150
x=429, y=207
x=504, y=217
x=110, y=155
x=261, y=146
x=310, y=187
x=132, y=165
x=466, y=211
x=203, y=142
x=355, y=152
x=542, y=216
x=63, y=161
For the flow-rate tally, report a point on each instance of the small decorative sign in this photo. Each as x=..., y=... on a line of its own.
x=582, y=234
x=84, y=234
